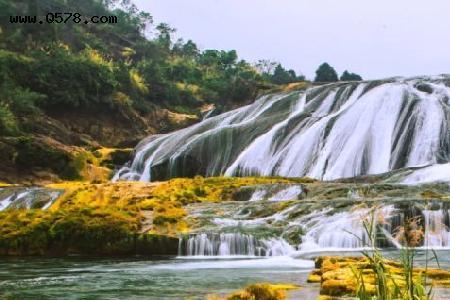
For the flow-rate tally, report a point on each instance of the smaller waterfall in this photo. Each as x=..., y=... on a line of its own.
x=27, y=198
x=289, y=193
x=277, y=247
x=258, y=195
x=277, y=192
x=231, y=244
x=344, y=230
x=435, y=173
x=341, y=230
x=16, y=199
x=330, y=230
x=4, y=203
x=437, y=234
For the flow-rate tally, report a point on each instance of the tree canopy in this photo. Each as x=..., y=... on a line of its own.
x=347, y=76
x=275, y=73
x=114, y=66
x=326, y=73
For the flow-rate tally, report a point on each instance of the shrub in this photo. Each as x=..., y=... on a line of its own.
x=33, y=154
x=8, y=124
x=326, y=73
x=74, y=80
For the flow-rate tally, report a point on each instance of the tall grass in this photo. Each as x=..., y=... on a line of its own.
x=410, y=285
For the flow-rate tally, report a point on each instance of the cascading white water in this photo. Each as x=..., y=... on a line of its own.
x=437, y=234
x=289, y=193
x=328, y=132
x=4, y=203
x=278, y=192
x=28, y=198
x=341, y=230
x=329, y=230
x=436, y=173
x=232, y=244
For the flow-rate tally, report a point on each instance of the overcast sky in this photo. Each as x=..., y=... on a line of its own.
x=375, y=38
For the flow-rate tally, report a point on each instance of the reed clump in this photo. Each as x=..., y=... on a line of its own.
x=375, y=277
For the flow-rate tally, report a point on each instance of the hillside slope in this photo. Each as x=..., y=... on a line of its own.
x=68, y=88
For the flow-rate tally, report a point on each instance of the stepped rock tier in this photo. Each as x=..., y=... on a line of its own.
x=327, y=132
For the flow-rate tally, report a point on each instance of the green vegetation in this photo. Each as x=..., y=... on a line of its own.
x=93, y=85
x=326, y=73
x=116, y=218
x=276, y=74
x=80, y=230
x=409, y=284
x=366, y=279
x=375, y=277
x=113, y=66
x=347, y=76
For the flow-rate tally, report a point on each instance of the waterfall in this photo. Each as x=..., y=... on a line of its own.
x=19, y=199
x=289, y=193
x=277, y=192
x=327, y=132
x=231, y=244
x=331, y=230
x=440, y=172
x=437, y=233
x=343, y=230
x=27, y=198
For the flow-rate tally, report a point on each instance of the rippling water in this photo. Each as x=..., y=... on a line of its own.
x=165, y=278
x=143, y=279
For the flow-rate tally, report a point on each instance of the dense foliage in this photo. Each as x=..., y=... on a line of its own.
x=84, y=230
x=48, y=67
x=275, y=73
x=326, y=73
x=347, y=76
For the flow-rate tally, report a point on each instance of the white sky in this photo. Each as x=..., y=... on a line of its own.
x=375, y=38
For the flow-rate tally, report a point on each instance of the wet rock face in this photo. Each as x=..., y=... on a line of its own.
x=423, y=87
x=337, y=277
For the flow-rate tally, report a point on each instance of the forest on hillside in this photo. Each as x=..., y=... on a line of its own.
x=113, y=66
x=67, y=83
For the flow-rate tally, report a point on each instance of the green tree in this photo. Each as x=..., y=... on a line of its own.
x=275, y=73
x=281, y=76
x=347, y=76
x=188, y=49
x=326, y=73
x=165, y=35
x=265, y=66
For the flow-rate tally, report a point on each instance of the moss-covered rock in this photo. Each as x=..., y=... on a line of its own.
x=39, y=159
x=338, y=275
x=115, y=218
x=259, y=291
